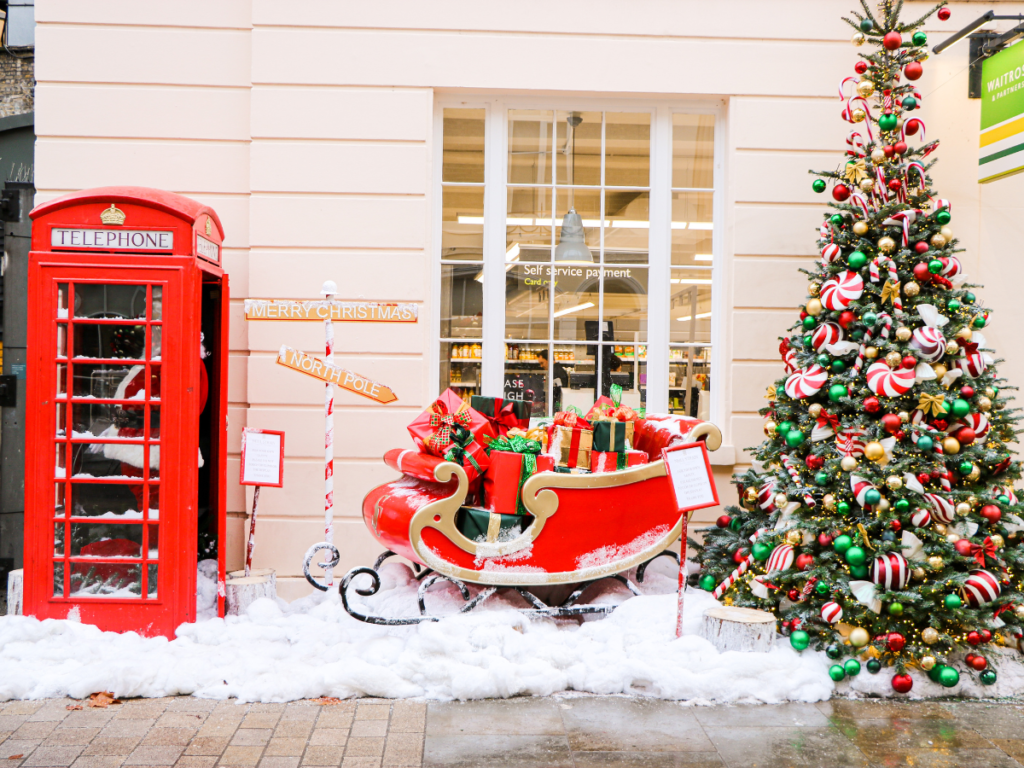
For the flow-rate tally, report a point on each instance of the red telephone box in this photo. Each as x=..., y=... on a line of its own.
x=127, y=408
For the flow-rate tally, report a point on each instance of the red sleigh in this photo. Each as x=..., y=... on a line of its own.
x=584, y=527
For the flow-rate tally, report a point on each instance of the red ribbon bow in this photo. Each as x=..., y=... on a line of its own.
x=443, y=423
x=980, y=551
x=826, y=419
x=506, y=417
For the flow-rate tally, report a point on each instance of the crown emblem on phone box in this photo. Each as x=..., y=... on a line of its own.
x=113, y=215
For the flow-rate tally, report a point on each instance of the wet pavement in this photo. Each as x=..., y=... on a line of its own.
x=569, y=731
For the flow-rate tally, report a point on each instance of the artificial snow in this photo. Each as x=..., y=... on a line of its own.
x=311, y=648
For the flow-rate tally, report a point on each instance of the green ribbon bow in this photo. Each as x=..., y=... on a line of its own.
x=529, y=450
x=460, y=440
x=616, y=394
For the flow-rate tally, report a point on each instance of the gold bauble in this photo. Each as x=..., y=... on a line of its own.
x=940, y=370
x=813, y=307
x=975, y=474
x=829, y=502
x=1018, y=611
x=984, y=404
x=781, y=500
x=769, y=428
x=972, y=500
x=794, y=538
x=952, y=348
x=951, y=445
x=899, y=124
x=813, y=289
x=963, y=508
x=938, y=241
x=858, y=38
x=894, y=359
x=882, y=505
x=927, y=662
x=952, y=538
x=911, y=289
x=750, y=494
x=904, y=417
x=903, y=333
x=865, y=88
x=935, y=563
x=964, y=334
x=866, y=185
x=886, y=244
x=989, y=392
x=894, y=482
x=858, y=115
x=859, y=637
x=939, y=528
x=861, y=227
x=947, y=232
x=930, y=635
x=997, y=540
x=870, y=352
x=814, y=410
x=877, y=156
x=848, y=464
x=874, y=451
x=918, y=574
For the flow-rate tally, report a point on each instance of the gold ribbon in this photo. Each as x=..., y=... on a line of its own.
x=890, y=291
x=935, y=404
x=864, y=535
x=770, y=393
x=856, y=170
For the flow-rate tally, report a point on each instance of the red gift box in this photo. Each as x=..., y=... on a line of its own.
x=452, y=430
x=604, y=405
x=502, y=481
x=610, y=461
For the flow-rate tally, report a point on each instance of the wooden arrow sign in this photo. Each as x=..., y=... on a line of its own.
x=332, y=374
x=337, y=311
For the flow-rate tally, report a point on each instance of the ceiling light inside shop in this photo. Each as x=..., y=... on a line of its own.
x=692, y=280
x=702, y=316
x=577, y=308
x=701, y=225
x=470, y=219
x=572, y=243
x=703, y=257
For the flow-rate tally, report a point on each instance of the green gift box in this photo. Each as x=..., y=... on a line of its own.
x=482, y=525
x=572, y=470
x=612, y=435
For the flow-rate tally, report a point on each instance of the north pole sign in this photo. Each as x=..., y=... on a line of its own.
x=332, y=374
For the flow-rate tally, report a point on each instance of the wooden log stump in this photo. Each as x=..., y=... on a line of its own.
x=242, y=592
x=738, y=629
x=15, y=592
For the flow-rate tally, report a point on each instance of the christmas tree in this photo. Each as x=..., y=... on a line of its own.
x=879, y=520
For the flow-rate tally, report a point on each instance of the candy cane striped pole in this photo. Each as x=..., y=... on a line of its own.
x=328, y=291
x=794, y=473
x=739, y=571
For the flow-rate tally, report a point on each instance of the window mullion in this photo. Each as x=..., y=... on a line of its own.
x=660, y=243
x=495, y=176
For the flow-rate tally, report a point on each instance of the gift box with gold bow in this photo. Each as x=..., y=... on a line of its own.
x=503, y=414
x=454, y=431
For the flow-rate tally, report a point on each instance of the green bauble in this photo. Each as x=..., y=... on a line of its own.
x=858, y=334
x=1003, y=499
x=949, y=677
x=866, y=25
x=902, y=506
x=872, y=496
x=909, y=103
x=842, y=544
x=761, y=551
x=783, y=428
x=822, y=478
x=869, y=319
x=856, y=260
x=843, y=508
x=852, y=667
x=943, y=216
x=874, y=666
x=834, y=652
x=836, y=219
x=935, y=266
x=707, y=582
x=953, y=305
x=821, y=588
x=809, y=322
x=969, y=297
x=794, y=438
x=895, y=609
x=823, y=360
x=934, y=672
x=919, y=39
x=838, y=366
x=961, y=407
x=799, y=639
x=925, y=443
x=735, y=525
x=808, y=340
x=836, y=672
x=855, y=556
x=979, y=322
x=987, y=677
x=887, y=122
x=836, y=392
x=859, y=571
x=818, y=185
x=952, y=602
x=965, y=467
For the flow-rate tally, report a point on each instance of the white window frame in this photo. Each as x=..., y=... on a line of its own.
x=659, y=245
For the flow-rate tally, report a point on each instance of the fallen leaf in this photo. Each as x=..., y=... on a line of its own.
x=71, y=707
x=102, y=700
x=15, y=757
x=327, y=701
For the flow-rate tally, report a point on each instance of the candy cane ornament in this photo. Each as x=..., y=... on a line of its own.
x=915, y=121
x=794, y=473
x=855, y=144
x=874, y=275
x=885, y=322
x=739, y=570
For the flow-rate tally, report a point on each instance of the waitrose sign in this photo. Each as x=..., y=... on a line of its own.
x=1002, y=115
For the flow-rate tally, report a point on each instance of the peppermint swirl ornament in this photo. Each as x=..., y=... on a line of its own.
x=842, y=290
x=929, y=343
x=781, y=559
x=806, y=383
x=826, y=334
x=890, y=571
x=981, y=587
x=831, y=612
x=889, y=382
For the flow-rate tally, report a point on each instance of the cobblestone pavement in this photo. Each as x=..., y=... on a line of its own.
x=557, y=732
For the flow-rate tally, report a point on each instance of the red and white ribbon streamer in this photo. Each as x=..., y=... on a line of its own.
x=885, y=320
x=794, y=473
x=738, y=571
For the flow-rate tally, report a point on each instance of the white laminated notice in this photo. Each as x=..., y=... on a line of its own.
x=691, y=479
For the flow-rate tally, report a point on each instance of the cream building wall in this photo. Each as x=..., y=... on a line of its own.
x=308, y=127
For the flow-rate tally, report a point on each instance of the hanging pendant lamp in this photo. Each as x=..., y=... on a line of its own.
x=572, y=245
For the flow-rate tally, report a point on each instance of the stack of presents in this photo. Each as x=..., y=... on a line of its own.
x=493, y=441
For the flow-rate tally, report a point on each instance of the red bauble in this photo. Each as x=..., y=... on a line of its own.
x=824, y=540
x=944, y=14
x=739, y=555
x=909, y=362
x=892, y=41
x=963, y=547
x=921, y=273
x=900, y=147
x=992, y=513
x=902, y=683
x=871, y=405
x=979, y=663
x=939, y=424
x=840, y=192
x=921, y=246
x=814, y=462
x=804, y=562
x=888, y=150
x=974, y=637
x=895, y=642
x=937, y=473
x=891, y=423
x=967, y=391
x=923, y=478
x=723, y=521
x=985, y=635
x=860, y=67
x=793, y=595
x=895, y=185
x=896, y=525
x=966, y=435
x=846, y=319
x=803, y=314
x=901, y=435
x=913, y=70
